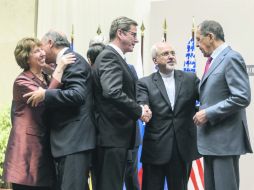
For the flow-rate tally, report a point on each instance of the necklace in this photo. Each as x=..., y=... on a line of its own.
x=39, y=76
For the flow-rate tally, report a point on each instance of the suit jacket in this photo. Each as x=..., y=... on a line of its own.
x=116, y=110
x=28, y=159
x=70, y=110
x=167, y=123
x=138, y=135
x=224, y=94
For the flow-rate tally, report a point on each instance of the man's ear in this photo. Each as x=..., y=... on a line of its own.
x=119, y=33
x=211, y=36
x=51, y=43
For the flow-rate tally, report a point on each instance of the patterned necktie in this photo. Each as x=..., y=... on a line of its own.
x=207, y=65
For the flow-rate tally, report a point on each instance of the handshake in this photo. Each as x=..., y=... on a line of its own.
x=146, y=113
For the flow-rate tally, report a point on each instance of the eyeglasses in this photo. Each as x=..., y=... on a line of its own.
x=134, y=35
x=167, y=53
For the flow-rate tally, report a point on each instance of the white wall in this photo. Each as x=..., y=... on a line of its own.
x=236, y=16
x=16, y=21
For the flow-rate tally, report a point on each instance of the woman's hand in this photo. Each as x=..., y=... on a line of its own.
x=62, y=63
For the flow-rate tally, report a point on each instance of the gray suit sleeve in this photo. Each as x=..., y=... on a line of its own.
x=239, y=91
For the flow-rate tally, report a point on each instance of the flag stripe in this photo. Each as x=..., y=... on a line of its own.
x=194, y=180
x=197, y=174
x=200, y=171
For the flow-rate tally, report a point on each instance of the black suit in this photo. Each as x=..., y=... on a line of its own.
x=170, y=136
x=70, y=118
x=131, y=172
x=116, y=114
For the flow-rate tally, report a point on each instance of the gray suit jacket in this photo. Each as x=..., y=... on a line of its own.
x=224, y=94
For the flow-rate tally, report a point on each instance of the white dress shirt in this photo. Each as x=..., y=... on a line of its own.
x=169, y=82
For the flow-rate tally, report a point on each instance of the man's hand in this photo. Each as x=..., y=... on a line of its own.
x=146, y=114
x=200, y=118
x=35, y=97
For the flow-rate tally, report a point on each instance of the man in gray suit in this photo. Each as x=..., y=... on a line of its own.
x=224, y=95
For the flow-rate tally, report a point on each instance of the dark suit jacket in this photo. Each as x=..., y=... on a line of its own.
x=138, y=135
x=28, y=159
x=116, y=109
x=165, y=122
x=69, y=110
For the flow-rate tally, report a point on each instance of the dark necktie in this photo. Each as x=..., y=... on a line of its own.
x=207, y=65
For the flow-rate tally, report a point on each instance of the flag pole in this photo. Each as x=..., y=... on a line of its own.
x=165, y=30
x=98, y=30
x=72, y=37
x=193, y=28
x=142, y=28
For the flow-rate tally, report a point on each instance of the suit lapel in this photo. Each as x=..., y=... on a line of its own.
x=124, y=63
x=178, y=83
x=215, y=64
x=160, y=84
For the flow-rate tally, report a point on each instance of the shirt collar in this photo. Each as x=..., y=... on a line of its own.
x=218, y=50
x=170, y=75
x=119, y=51
x=60, y=54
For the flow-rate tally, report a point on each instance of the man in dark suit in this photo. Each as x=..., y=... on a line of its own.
x=169, y=143
x=224, y=95
x=131, y=172
x=69, y=115
x=116, y=110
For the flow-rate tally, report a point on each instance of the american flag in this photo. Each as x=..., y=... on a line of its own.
x=196, y=181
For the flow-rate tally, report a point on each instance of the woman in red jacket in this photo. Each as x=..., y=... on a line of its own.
x=28, y=161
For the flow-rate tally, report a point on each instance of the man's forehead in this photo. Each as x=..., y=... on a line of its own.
x=166, y=47
x=133, y=27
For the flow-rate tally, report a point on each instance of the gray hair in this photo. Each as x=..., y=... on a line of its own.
x=211, y=26
x=154, y=51
x=122, y=23
x=59, y=39
x=97, y=40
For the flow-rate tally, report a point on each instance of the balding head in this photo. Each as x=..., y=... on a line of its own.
x=58, y=38
x=158, y=47
x=163, y=55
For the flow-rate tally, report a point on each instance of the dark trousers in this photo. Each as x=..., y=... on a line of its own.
x=111, y=164
x=221, y=172
x=72, y=171
x=25, y=187
x=131, y=172
x=175, y=171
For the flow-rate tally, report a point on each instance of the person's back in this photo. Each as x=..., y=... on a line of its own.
x=62, y=115
x=70, y=116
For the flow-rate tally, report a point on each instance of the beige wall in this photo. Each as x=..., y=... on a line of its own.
x=236, y=16
x=16, y=21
